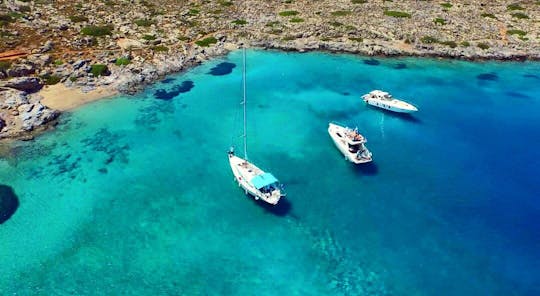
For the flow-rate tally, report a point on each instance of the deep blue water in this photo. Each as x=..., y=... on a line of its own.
x=135, y=194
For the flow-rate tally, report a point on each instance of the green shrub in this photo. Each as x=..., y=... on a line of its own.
x=446, y=5
x=50, y=79
x=15, y=14
x=490, y=15
x=440, y=21
x=520, y=15
x=73, y=78
x=122, y=61
x=58, y=62
x=194, y=11
x=99, y=69
x=160, y=48
x=288, y=13
x=183, y=38
x=357, y=39
x=5, y=19
x=516, y=32
x=206, y=41
x=239, y=22
x=297, y=20
x=288, y=38
x=465, y=44
x=483, y=45
x=148, y=37
x=452, y=44
x=271, y=24
x=78, y=18
x=396, y=13
x=225, y=3
x=341, y=13
x=97, y=30
x=24, y=8
x=429, y=39
x=4, y=65
x=514, y=6
x=359, y=1
x=144, y=22
x=335, y=24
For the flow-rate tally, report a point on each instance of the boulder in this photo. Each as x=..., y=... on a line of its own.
x=27, y=84
x=11, y=98
x=19, y=70
x=48, y=46
x=79, y=64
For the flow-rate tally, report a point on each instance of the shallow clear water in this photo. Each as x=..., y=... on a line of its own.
x=135, y=194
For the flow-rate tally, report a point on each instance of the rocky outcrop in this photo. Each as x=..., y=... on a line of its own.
x=21, y=113
x=26, y=84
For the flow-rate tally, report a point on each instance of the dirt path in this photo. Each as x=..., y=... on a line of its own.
x=13, y=54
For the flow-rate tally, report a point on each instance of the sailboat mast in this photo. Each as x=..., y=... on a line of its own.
x=244, y=101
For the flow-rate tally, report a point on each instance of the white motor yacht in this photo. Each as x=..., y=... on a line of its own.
x=350, y=143
x=385, y=100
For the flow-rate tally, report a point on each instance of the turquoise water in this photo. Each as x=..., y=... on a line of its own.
x=135, y=194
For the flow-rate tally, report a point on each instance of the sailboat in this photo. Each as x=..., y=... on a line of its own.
x=256, y=182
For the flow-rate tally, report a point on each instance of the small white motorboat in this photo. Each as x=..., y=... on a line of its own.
x=385, y=100
x=350, y=143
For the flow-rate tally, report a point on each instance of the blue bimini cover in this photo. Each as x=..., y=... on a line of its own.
x=262, y=180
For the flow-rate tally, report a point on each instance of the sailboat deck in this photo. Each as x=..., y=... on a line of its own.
x=250, y=169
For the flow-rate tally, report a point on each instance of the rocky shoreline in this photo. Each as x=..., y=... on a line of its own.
x=121, y=46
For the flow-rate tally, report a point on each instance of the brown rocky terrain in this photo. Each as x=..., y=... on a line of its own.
x=123, y=44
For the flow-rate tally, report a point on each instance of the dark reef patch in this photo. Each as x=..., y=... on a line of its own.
x=400, y=66
x=487, y=77
x=63, y=164
x=9, y=203
x=346, y=93
x=222, y=69
x=372, y=62
x=168, y=80
x=185, y=86
x=110, y=144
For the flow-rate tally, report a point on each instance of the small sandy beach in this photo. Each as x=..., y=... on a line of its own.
x=61, y=98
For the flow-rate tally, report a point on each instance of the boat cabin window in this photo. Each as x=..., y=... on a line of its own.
x=353, y=148
x=339, y=135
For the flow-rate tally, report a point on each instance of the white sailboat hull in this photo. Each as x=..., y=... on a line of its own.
x=393, y=105
x=243, y=172
x=336, y=133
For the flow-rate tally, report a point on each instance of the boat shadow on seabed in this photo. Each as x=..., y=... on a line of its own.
x=404, y=116
x=282, y=208
x=366, y=169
